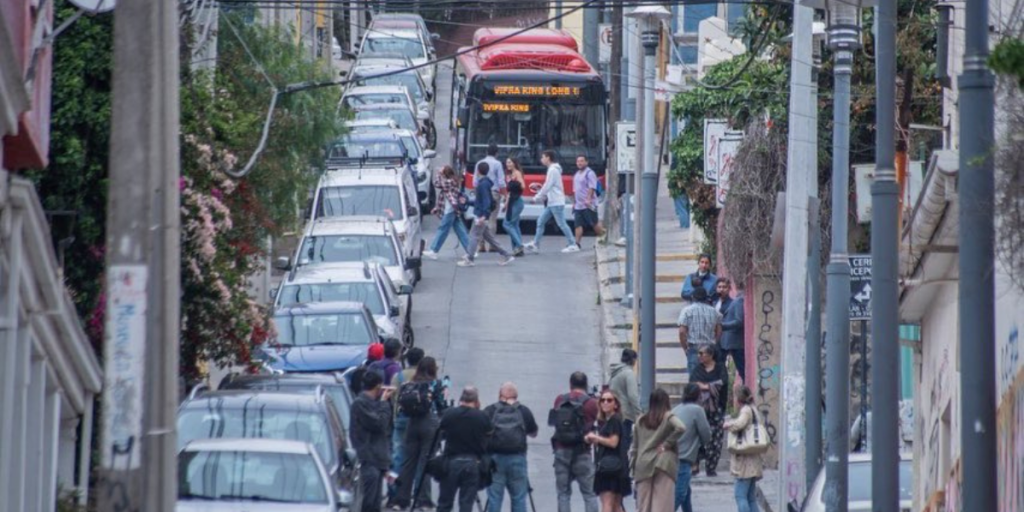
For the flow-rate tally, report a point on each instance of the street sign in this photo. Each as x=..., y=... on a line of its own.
x=604, y=53
x=860, y=287
x=625, y=146
x=714, y=130
x=728, y=146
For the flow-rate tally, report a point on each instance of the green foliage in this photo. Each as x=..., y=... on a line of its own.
x=1007, y=58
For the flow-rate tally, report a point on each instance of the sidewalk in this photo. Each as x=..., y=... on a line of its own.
x=676, y=257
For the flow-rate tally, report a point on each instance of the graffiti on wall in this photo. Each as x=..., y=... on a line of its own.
x=1009, y=359
x=768, y=321
x=1010, y=429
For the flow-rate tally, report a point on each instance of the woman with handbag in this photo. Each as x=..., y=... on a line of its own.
x=748, y=439
x=713, y=380
x=655, y=458
x=612, y=480
x=451, y=205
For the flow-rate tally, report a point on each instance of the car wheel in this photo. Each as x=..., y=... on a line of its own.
x=408, y=338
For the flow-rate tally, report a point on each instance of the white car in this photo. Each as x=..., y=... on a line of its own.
x=371, y=125
x=422, y=161
x=406, y=118
x=253, y=475
x=859, y=487
x=357, y=97
x=374, y=149
x=405, y=21
x=392, y=71
x=399, y=42
x=388, y=193
x=366, y=283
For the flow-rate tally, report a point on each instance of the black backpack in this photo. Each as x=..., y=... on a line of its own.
x=509, y=424
x=414, y=398
x=568, y=420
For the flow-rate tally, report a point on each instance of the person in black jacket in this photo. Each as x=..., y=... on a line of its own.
x=484, y=208
x=466, y=431
x=371, y=437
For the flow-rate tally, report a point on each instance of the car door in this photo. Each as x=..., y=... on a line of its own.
x=413, y=234
x=392, y=297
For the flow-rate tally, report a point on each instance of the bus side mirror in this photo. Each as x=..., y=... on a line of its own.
x=463, y=116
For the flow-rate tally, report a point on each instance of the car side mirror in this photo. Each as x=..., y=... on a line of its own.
x=430, y=153
x=413, y=263
x=394, y=311
x=405, y=289
x=412, y=211
x=283, y=263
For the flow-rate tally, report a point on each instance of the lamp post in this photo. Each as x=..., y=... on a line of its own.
x=650, y=18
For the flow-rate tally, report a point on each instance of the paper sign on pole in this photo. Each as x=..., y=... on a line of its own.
x=714, y=130
x=860, y=287
x=604, y=48
x=664, y=91
x=728, y=146
x=625, y=146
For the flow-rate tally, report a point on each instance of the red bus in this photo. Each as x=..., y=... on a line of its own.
x=529, y=93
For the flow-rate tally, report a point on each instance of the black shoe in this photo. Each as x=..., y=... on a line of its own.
x=712, y=473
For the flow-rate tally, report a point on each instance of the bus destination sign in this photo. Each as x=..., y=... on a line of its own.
x=547, y=91
x=507, y=107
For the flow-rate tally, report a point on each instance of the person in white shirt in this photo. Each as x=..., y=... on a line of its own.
x=553, y=196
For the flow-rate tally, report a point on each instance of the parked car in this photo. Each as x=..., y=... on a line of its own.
x=334, y=384
x=245, y=475
x=356, y=97
x=404, y=20
x=260, y=418
x=321, y=337
x=391, y=70
x=406, y=119
x=859, y=481
x=374, y=149
x=353, y=282
x=410, y=44
x=422, y=161
x=370, y=125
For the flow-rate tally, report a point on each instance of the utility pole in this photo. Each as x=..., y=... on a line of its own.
x=615, y=112
x=977, y=260
x=885, y=361
x=812, y=400
x=843, y=39
x=558, y=14
x=801, y=184
x=138, y=443
x=591, y=34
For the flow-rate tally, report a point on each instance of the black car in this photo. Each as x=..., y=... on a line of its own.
x=312, y=418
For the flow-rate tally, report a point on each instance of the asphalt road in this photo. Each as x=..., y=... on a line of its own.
x=532, y=322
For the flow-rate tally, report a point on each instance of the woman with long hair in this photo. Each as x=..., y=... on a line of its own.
x=420, y=434
x=713, y=380
x=449, y=207
x=611, y=482
x=655, y=457
x=516, y=186
x=747, y=468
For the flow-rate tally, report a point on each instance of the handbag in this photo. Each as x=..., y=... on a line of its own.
x=610, y=463
x=752, y=440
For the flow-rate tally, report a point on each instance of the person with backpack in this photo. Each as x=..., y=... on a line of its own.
x=389, y=365
x=374, y=353
x=610, y=454
x=698, y=433
x=484, y=208
x=572, y=417
x=655, y=454
x=585, y=194
x=371, y=429
x=412, y=358
x=421, y=399
x=623, y=383
x=450, y=207
x=466, y=430
x=513, y=422
x=746, y=467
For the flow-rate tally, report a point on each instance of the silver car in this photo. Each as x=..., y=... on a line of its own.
x=253, y=475
x=859, y=479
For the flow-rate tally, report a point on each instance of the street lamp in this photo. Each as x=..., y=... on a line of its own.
x=650, y=18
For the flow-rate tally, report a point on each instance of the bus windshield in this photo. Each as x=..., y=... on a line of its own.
x=524, y=130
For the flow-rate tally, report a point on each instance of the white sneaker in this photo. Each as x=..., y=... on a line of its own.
x=507, y=260
x=465, y=262
x=430, y=254
x=571, y=248
x=476, y=254
x=531, y=247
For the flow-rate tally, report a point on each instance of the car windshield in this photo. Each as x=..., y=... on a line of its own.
x=524, y=130
x=860, y=481
x=358, y=100
x=364, y=292
x=322, y=329
x=342, y=248
x=250, y=476
x=404, y=46
x=409, y=79
x=352, y=148
x=258, y=421
x=411, y=145
x=402, y=116
x=373, y=200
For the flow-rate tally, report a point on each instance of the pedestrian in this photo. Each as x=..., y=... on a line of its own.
x=573, y=416
x=656, y=459
x=422, y=400
x=623, y=384
x=733, y=333
x=610, y=454
x=698, y=433
x=584, y=208
x=374, y=353
x=515, y=205
x=466, y=431
x=371, y=432
x=412, y=359
x=552, y=195
x=483, y=208
x=723, y=287
x=747, y=468
x=707, y=279
x=450, y=207
x=699, y=325
x=511, y=422
x=389, y=365
x=499, y=190
x=712, y=378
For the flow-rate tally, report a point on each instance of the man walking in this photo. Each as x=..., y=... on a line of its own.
x=371, y=437
x=552, y=195
x=483, y=209
x=466, y=431
x=512, y=422
x=733, y=333
x=584, y=208
x=699, y=325
x=623, y=384
x=573, y=416
x=496, y=172
x=707, y=279
x=697, y=433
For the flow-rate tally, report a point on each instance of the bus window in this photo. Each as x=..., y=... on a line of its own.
x=525, y=130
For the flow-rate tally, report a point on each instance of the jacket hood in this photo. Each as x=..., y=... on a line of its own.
x=618, y=368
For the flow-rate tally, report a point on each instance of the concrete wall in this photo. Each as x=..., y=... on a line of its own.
x=764, y=348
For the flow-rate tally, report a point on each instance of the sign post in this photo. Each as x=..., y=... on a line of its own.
x=860, y=287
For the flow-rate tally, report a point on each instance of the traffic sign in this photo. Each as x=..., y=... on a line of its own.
x=604, y=55
x=860, y=287
x=625, y=146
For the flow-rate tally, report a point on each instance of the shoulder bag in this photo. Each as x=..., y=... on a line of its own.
x=611, y=462
x=752, y=440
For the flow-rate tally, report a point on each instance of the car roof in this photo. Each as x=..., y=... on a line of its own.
x=376, y=89
x=411, y=33
x=347, y=272
x=373, y=122
x=373, y=176
x=374, y=136
x=397, y=16
x=237, y=399
x=320, y=308
x=396, y=23
x=369, y=67
x=351, y=225
x=289, y=378
x=262, y=444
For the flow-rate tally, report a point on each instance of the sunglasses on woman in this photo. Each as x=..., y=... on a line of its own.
x=607, y=400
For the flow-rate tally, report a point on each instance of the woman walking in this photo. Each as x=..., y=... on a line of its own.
x=420, y=434
x=747, y=468
x=611, y=482
x=515, y=204
x=712, y=379
x=449, y=207
x=655, y=457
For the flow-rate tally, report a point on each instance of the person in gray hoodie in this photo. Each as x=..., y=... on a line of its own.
x=623, y=383
x=698, y=432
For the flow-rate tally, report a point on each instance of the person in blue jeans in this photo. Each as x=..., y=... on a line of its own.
x=747, y=468
x=552, y=194
x=698, y=432
x=449, y=206
x=512, y=422
x=516, y=185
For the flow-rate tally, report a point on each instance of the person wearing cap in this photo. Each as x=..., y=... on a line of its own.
x=623, y=384
x=466, y=431
x=375, y=352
